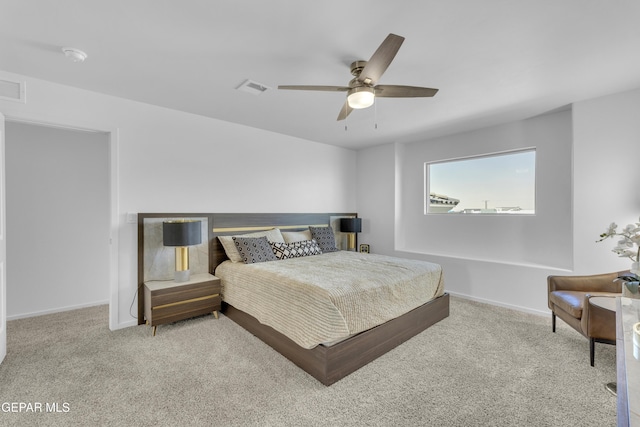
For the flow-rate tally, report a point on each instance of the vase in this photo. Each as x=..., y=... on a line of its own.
x=630, y=290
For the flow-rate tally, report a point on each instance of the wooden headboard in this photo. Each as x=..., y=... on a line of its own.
x=221, y=224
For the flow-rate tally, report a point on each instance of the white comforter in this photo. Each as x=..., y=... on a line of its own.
x=325, y=298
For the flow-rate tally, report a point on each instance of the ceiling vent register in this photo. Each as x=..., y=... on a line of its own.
x=12, y=91
x=252, y=87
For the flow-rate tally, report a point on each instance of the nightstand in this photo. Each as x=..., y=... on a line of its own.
x=167, y=301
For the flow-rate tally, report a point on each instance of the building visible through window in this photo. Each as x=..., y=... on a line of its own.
x=502, y=183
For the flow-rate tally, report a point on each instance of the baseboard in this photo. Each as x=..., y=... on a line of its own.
x=123, y=325
x=55, y=310
x=500, y=304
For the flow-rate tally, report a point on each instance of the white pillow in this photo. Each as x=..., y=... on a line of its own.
x=230, y=249
x=296, y=236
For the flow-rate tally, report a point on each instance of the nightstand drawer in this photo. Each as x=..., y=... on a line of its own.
x=178, y=310
x=186, y=292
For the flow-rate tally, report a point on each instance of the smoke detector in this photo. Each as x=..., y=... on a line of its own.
x=75, y=55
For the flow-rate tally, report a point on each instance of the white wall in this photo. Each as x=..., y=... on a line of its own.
x=170, y=161
x=513, y=239
x=606, y=176
x=57, y=194
x=603, y=137
x=376, y=189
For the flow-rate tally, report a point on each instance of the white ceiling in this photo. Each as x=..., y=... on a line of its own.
x=493, y=60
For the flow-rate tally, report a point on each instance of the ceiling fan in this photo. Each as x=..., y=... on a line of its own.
x=362, y=89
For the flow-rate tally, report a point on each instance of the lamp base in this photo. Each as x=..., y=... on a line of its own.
x=351, y=242
x=182, y=264
x=181, y=276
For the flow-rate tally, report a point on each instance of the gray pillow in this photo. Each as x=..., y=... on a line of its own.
x=254, y=249
x=325, y=238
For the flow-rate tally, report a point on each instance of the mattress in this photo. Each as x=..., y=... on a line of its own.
x=325, y=298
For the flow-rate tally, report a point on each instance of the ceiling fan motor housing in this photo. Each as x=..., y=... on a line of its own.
x=357, y=67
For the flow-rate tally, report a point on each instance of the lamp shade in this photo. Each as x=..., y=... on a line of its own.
x=351, y=225
x=181, y=233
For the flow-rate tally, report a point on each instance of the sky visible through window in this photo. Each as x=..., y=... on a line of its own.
x=501, y=183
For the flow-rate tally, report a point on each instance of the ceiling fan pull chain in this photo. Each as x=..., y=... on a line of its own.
x=375, y=115
x=346, y=103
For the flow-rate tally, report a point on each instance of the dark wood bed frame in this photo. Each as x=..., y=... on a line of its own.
x=327, y=364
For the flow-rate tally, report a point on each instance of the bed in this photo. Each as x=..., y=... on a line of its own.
x=329, y=355
x=326, y=330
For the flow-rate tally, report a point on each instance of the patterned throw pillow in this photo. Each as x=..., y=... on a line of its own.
x=272, y=235
x=295, y=249
x=325, y=238
x=254, y=249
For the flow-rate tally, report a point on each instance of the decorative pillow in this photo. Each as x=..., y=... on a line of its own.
x=325, y=238
x=296, y=236
x=229, y=246
x=295, y=249
x=254, y=249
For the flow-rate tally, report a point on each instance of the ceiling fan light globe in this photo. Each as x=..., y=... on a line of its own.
x=360, y=97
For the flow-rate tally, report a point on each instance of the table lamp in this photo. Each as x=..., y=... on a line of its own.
x=351, y=226
x=181, y=234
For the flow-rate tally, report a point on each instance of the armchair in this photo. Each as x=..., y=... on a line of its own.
x=568, y=299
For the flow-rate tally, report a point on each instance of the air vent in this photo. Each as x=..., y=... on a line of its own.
x=12, y=91
x=255, y=88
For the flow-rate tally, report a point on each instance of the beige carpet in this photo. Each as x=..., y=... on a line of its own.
x=482, y=366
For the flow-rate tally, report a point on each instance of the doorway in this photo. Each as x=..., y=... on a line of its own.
x=58, y=218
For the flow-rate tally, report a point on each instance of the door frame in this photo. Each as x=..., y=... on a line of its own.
x=3, y=249
x=113, y=154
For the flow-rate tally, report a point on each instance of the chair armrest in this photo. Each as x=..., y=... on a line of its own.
x=600, y=324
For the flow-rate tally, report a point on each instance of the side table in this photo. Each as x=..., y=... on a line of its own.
x=169, y=301
x=628, y=362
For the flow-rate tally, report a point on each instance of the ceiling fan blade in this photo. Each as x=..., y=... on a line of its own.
x=346, y=110
x=396, y=91
x=318, y=88
x=380, y=59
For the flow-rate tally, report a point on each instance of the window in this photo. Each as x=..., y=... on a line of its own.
x=502, y=183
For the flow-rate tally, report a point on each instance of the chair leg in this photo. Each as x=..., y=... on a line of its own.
x=592, y=348
x=553, y=321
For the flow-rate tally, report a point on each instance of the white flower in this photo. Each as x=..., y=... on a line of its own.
x=626, y=243
x=629, y=244
x=625, y=253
